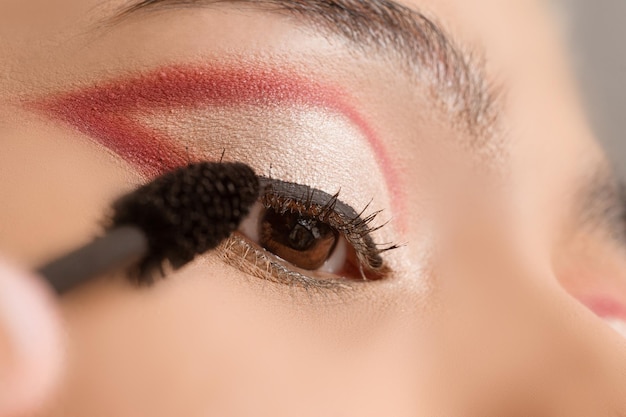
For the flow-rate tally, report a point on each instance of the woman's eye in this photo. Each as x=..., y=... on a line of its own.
x=307, y=243
x=298, y=235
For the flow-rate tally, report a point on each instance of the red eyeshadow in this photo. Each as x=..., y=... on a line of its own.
x=101, y=111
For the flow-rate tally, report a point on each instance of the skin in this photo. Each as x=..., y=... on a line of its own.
x=489, y=310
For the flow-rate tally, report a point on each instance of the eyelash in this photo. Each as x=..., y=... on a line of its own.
x=259, y=262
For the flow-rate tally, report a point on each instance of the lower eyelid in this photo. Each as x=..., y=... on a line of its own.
x=240, y=253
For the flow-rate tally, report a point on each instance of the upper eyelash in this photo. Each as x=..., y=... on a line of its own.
x=328, y=208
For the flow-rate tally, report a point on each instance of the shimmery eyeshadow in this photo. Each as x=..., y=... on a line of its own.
x=102, y=111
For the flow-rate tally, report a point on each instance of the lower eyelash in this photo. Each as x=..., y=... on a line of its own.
x=237, y=251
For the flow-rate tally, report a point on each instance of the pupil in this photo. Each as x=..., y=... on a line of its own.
x=305, y=242
x=301, y=238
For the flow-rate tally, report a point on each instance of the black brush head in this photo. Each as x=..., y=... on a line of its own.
x=188, y=211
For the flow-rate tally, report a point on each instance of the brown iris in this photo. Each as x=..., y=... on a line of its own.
x=303, y=241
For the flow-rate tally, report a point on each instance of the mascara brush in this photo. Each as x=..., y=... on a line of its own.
x=174, y=218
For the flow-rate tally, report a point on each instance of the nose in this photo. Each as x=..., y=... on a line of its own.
x=516, y=343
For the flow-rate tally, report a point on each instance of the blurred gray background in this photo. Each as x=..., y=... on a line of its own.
x=598, y=43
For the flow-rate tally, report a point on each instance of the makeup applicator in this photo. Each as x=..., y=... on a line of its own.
x=174, y=218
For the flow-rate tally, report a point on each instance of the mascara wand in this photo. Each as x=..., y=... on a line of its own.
x=179, y=215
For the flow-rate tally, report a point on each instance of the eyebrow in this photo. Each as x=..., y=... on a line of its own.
x=601, y=203
x=454, y=76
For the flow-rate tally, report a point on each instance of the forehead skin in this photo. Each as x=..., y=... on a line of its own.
x=489, y=330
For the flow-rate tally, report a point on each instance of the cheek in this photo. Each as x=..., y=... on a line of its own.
x=200, y=340
x=210, y=338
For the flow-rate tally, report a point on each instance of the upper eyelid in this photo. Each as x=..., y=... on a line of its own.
x=305, y=193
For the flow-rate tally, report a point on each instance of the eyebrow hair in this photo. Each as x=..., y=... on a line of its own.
x=452, y=75
x=601, y=203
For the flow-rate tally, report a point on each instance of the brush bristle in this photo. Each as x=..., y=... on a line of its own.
x=188, y=211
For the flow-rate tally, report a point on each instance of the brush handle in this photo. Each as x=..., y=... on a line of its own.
x=119, y=248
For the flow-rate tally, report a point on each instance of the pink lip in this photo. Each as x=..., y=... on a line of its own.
x=100, y=112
